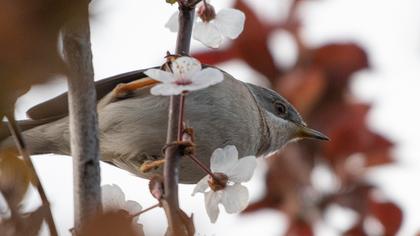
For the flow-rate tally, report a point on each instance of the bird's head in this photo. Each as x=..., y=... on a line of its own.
x=281, y=120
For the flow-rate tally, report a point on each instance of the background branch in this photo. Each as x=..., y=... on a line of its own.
x=21, y=145
x=83, y=117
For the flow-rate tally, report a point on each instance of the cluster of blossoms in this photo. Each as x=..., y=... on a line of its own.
x=226, y=189
x=211, y=27
x=186, y=74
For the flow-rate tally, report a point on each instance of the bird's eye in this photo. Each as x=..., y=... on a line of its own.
x=280, y=108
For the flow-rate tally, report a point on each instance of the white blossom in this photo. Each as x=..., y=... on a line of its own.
x=113, y=199
x=232, y=195
x=186, y=75
x=227, y=23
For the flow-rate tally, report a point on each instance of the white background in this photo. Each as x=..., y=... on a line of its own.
x=129, y=35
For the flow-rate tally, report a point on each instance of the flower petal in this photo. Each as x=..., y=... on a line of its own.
x=201, y=186
x=166, y=89
x=194, y=87
x=230, y=22
x=208, y=34
x=235, y=198
x=208, y=77
x=172, y=23
x=132, y=207
x=222, y=160
x=162, y=76
x=204, y=79
x=243, y=169
x=212, y=200
x=113, y=197
x=185, y=67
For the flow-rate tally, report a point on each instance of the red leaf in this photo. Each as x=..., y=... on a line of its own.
x=339, y=61
x=389, y=214
x=258, y=56
x=256, y=33
x=299, y=228
x=303, y=87
x=288, y=173
x=378, y=157
x=357, y=230
x=266, y=202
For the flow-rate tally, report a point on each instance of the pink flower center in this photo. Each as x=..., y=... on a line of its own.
x=183, y=82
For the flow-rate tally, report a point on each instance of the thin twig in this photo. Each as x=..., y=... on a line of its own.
x=146, y=210
x=172, y=153
x=186, y=20
x=21, y=145
x=181, y=116
x=202, y=166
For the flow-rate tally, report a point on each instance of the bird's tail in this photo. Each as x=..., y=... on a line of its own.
x=23, y=126
x=30, y=126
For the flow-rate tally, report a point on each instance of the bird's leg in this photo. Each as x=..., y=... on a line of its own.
x=151, y=165
x=125, y=90
x=186, y=147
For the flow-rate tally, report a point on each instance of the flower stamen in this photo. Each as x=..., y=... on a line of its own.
x=183, y=82
x=218, y=181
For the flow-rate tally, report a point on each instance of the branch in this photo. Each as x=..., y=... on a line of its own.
x=83, y=118
x=21, y=145
x=186, y=20
x=172, y=153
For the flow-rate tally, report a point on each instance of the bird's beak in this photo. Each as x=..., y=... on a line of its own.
x=306, y=132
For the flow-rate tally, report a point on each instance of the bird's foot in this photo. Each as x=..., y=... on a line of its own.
x=126, y=90
x=184, y=147
x=147, y=166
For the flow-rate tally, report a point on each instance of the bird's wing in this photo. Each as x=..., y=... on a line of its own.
x=58, y=106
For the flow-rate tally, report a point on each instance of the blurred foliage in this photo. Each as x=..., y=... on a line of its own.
x=171, y=1
x=23, y=224
x=29, y=45
x=318, y=85
x=14, y=178
x=14, y=183
x=110, y=223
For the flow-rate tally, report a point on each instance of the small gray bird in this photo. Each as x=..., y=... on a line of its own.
x=132, y=128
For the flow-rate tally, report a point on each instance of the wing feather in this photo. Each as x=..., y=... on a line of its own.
x=58, y=106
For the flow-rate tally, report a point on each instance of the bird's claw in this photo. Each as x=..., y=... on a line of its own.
x=185, y=147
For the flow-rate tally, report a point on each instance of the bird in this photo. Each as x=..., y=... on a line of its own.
x=133, y=125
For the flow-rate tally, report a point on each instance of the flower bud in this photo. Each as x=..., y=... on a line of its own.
x=206, y=12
